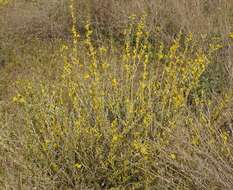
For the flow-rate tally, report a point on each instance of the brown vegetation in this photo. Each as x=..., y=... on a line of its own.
x=116, y=94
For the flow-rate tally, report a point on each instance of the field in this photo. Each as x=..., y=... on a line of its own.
x=116, y=94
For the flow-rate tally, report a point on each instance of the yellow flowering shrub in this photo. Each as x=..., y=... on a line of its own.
x=119, y=115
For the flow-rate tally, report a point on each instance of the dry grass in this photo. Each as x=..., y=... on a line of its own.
x=126, y=101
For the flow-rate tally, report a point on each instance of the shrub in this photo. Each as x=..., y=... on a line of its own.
x=135, y=113
x=118, y=116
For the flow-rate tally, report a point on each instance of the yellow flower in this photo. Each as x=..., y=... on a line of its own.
x=78, y=166
x=173, y=156
x=64, y=47
x=225, y=138
x=114, y=82
x=19, y=99
x=141, y=147
x=86, y=76
x=14, y=99
x=54, y=167
x=102, y=50
x=231, y=35
x=143, y=150
x=115, y=138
